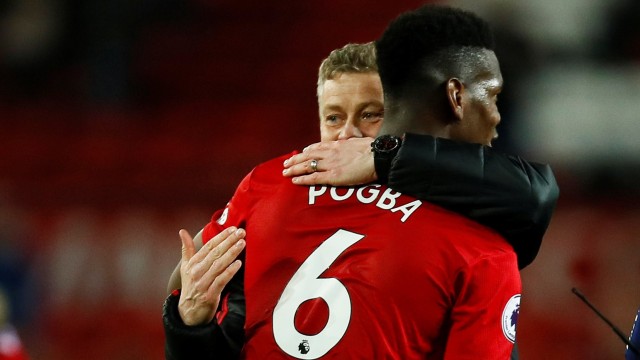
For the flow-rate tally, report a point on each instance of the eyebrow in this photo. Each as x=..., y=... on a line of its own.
x=372, y=103
x=332, y=107
x=336, y=107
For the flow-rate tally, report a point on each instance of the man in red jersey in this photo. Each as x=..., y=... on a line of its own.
x=350, y=102
x=375, y=282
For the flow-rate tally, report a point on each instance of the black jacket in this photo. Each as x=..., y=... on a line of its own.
x=506, y=193
x=514, y=197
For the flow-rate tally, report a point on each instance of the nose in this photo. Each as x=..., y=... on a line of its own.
x=349, y=130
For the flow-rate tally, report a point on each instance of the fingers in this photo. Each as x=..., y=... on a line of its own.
x=213, y=267
x=314, y=151
x=222, y=255
x=312, y=179
x=206, y=272
x=223, y=278
x=314, y=147
x=300, y=166
x=220, y=264
x=303, y=164
x=213, y=242
x=195, y=266
x=296, y=159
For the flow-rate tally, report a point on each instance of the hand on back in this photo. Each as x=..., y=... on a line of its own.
x=206, y=272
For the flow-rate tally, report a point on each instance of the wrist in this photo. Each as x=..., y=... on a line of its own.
x=173, y=309
x=190, y=314
x=384, y=149
x=189, y=342
x=371, y=165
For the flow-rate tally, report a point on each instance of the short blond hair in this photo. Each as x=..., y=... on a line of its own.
x=351, y=58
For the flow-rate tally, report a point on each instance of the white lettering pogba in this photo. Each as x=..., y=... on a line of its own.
x=368, y=194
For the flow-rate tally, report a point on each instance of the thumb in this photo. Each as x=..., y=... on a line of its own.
x=188, y=248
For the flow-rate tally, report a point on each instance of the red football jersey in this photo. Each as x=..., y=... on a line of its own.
x=367, y=273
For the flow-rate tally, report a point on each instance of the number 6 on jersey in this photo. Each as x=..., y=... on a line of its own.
x=305, y=285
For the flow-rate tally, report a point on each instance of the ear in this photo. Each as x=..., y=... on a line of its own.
x=455, y=93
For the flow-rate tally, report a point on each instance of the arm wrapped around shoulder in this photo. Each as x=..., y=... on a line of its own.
x=506, y=193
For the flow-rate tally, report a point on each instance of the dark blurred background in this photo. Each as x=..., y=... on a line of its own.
x=122, y=121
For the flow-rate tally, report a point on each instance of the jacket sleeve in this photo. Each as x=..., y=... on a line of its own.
x=506, y=193
x=222, y=339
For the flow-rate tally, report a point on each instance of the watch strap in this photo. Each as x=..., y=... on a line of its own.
x=384, y=148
